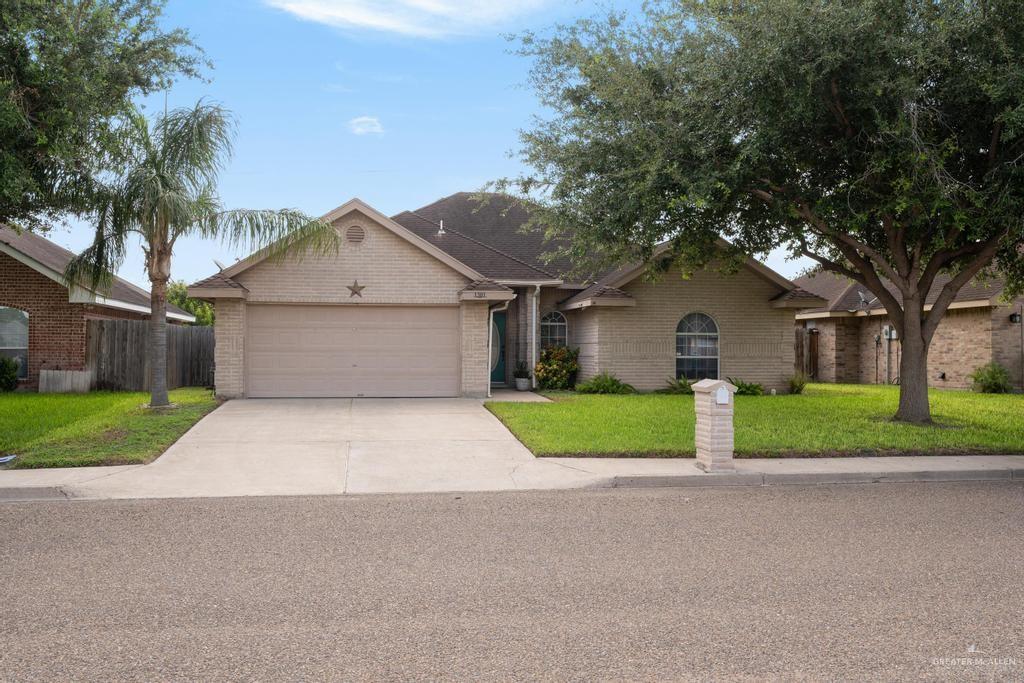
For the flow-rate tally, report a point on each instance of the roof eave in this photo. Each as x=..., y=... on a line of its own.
x=597, y=301
x=973, y=303
x=211, y=293
x=804, y=302
x=527, y=283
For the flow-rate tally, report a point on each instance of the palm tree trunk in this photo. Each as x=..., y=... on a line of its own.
x=158, y=344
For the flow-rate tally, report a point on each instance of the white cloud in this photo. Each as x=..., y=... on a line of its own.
x=423, y=18
x=336, y=88
x=366, y=125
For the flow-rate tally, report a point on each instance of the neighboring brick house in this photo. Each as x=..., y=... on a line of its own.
x=850, y=339
x=445, y=300
x=42, y=322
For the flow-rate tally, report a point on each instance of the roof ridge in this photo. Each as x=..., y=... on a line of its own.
x=842, y=294
x=483, y=244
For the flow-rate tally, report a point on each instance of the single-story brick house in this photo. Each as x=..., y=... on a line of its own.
x=446, y=299
x=850, y=340
x=42, y=320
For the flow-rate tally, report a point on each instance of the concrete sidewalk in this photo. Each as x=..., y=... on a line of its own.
x=653, y=472
x=282, y=447
x=464, y=473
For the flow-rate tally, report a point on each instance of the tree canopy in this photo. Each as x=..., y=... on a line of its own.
x=177, y=294
x=68, y=70
x=883, y=139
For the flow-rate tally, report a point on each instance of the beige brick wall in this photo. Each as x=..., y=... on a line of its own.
x=838, y=349
x=1006, y=340
x=583, y=334
x=229, y=348
x=473, y=319
x=637, y=344
x=962, y=342
x=391, y=269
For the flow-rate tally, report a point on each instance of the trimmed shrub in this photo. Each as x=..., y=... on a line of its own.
x=556, y=370
x=746, y=388
x=8, y=374
x=676, y=386
x=605, y=383
x=797, y=383
x=992, y=378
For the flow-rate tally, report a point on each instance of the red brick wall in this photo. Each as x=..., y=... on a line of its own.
x=56, y=329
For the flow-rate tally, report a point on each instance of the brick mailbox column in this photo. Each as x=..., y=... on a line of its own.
x=713, y=403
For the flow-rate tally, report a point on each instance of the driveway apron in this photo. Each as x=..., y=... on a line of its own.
x=322, y=446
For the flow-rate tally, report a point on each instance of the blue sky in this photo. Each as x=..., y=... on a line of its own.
x=398, y=102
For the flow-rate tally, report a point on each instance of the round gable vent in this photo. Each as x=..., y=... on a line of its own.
x=355, y=234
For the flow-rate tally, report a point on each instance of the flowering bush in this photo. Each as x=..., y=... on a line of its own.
x=557, y=368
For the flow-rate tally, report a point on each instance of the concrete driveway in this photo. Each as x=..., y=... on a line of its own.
x=323, y=446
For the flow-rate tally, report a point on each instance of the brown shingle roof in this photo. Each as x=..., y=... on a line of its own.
x=485, y=286
x=597, y=291
x=56, y=258
x=496, y=223
x=218, y=280
x=483, y=258
x=844, y=294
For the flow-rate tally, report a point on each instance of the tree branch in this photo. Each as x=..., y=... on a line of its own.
x=837, y=108
x=949, y=291
x=894, y=235
x=993, y=145
x=842, y=238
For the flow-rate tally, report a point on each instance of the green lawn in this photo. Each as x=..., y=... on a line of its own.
x=101, y=428
x=827, y=419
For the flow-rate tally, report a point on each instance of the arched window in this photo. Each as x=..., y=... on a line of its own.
x=697, y=347
x=14, y=337
x=553, y=330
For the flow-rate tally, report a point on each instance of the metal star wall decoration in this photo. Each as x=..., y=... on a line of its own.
x=356, y=289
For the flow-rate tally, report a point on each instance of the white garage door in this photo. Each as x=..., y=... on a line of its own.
x=326, y=351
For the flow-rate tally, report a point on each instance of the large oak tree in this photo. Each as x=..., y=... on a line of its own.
x=880, y=138
x=69, y=70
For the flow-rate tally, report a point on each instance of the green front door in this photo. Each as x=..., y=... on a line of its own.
x=498, y=348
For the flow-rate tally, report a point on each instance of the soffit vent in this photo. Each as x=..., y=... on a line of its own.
x=354, y=234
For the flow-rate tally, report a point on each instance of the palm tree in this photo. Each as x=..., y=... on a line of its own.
x=167, y=190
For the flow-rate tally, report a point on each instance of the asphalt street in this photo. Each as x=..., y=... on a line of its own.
x=885, y=581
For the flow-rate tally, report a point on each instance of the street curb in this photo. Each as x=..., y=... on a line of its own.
x=804, y=478
x=673, y=480
x=15, y=493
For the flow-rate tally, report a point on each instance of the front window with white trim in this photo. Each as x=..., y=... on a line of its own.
x=697, y=347
x=554, y=331
x=14, y=337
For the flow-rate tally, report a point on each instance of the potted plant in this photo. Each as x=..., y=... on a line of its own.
x=522, y=376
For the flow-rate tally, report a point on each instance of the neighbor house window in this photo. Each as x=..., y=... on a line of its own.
x=553, y=330
x=697, y=347
x=14, y=337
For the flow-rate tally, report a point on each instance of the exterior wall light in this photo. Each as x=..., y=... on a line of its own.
x=1015, y=318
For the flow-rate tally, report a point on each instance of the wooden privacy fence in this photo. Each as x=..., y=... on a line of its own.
x=116, y=355
x=806, y=352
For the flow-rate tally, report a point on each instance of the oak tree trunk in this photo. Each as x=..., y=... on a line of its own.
x=158, y=344
x=914, y=405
